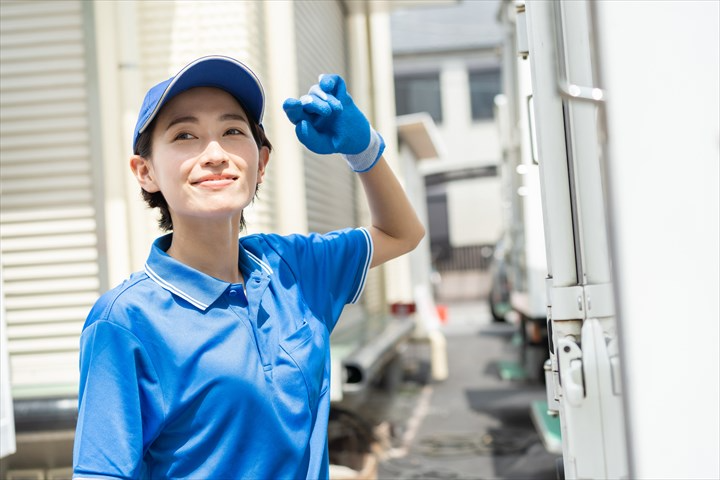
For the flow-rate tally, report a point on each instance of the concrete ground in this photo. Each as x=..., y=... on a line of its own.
x=472, y=425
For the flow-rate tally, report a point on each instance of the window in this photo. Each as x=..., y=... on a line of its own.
x=418, y=93
x=484, y=85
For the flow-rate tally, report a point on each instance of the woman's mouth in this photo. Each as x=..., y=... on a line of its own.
x=215, y=181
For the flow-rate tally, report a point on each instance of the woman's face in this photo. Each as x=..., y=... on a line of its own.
x=204, y=158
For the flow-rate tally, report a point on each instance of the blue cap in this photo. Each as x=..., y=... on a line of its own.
x=213, y=71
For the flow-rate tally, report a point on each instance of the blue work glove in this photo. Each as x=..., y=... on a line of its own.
x=327, y=121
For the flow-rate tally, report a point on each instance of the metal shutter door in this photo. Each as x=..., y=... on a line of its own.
x=50, y=261
x=329, y=183
x=172, y=34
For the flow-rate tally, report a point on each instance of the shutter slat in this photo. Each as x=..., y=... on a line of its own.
x=50, y=256
x=48, y=82
x=46, y=185
x=55, y=169
x=67, y=154
x=51, y=9
x=49, y=228
x=57, y=241
x=43, y=97
x=40, y=52
x=43, y=345
x=45, y=330
x=62, y=270
x=32, y=127
x=50, y=300
x=39, y=287
x=30, y=200
x=48, y=315
x=40, y=112
x=34, y=37
x=55, y=138
x=46, y=214
x=47, y=67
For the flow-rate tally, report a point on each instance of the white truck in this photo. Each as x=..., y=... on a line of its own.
x=616, y=106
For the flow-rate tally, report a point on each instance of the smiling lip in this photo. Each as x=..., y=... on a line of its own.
x=215, y=180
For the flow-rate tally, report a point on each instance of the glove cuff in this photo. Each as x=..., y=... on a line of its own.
x=365, y=160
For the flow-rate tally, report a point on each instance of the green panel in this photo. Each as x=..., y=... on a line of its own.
x=548, y=426
x=511, y=370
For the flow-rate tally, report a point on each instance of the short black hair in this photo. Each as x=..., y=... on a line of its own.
x=143, y=147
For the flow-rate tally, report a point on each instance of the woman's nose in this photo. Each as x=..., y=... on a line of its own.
x=214, y=154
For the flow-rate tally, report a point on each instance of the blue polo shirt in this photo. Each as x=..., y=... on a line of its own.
x=183, y=375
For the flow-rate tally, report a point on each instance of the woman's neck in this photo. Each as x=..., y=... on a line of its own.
x=211, y=249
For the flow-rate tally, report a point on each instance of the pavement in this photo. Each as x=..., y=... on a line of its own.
x=474, y=425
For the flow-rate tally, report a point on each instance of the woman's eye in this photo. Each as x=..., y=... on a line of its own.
x=183, y=136
x=234, y=131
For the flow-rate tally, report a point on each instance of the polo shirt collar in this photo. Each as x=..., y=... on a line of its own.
x=197, y=288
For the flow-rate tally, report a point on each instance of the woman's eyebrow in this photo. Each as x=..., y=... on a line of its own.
x=233, y=116
x=185, y=119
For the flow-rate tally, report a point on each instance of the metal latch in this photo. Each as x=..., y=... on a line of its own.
x=571, y=371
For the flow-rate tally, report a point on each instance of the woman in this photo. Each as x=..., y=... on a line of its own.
x=214, y=361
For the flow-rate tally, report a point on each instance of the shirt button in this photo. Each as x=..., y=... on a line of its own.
x=233, y=293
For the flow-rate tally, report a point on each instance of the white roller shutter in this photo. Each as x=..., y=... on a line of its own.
x=51, y=264
x=172, y=34
x=329, y=184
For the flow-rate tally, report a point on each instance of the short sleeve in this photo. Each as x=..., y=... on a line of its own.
x=120, y=404
x=331, y=269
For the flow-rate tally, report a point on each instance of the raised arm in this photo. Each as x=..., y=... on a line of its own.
x=395, y=228
x=328, y=121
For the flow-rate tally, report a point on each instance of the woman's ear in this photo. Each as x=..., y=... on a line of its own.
x=142, y=169
x=263, y=160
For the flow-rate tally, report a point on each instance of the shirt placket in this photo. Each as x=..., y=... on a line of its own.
x=255, y=288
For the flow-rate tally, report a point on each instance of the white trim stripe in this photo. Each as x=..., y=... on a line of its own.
x=173, y=289
x=262, y=264
x=366, y=267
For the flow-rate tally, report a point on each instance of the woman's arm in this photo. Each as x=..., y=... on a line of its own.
x=395, y=228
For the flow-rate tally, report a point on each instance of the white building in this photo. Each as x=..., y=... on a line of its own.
x=447, y=63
